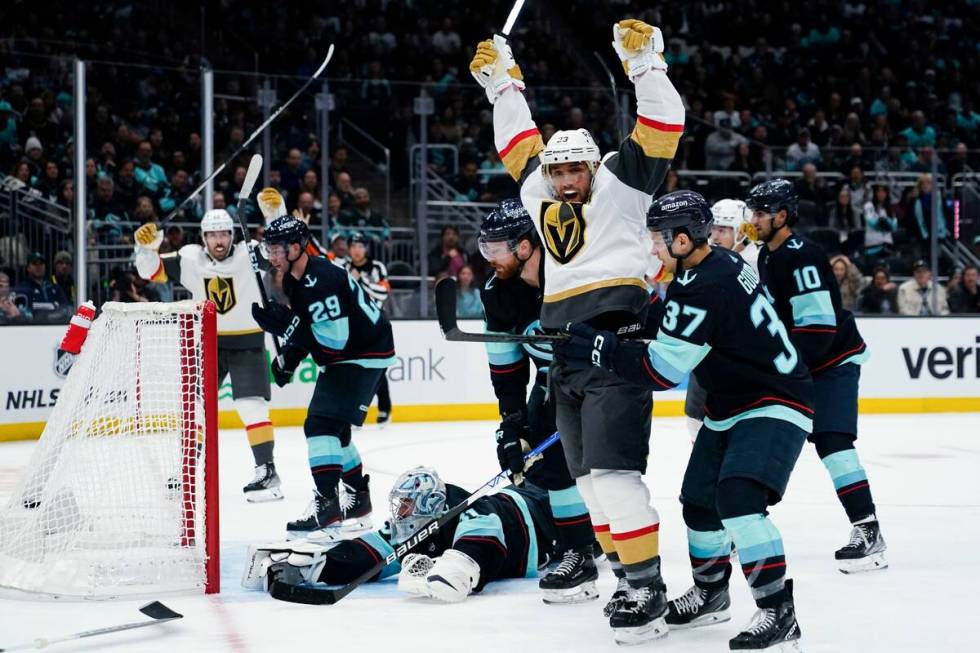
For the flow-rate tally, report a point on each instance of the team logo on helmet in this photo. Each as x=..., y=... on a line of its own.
x=222, y=292
x=563, y=228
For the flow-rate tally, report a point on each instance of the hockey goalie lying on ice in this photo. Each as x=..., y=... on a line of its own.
x=509, y=534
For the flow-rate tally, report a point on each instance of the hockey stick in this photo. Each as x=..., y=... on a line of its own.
x=328, y=596
x=254, y=167
x=615, y=96
x=252, y=137
x=446, y=313
x=156, y=611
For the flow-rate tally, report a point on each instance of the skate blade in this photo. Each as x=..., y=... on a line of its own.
x=719, y=617
x=656, y=629
x=579, y=594
x=873, y=562
x=347, y=530
x=264, y=496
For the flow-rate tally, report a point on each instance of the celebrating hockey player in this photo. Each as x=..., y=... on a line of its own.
x=221, y=271
x=758, y=415
x=728, y=230
x=509, y=534
x=330, y=318
x=589, y=212
x=512, y=303
x=373, y=277
x=797, y=276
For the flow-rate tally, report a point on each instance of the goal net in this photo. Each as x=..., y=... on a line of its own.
x=120, y=494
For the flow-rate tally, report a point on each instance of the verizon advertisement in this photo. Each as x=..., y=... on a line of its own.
x=910, y=358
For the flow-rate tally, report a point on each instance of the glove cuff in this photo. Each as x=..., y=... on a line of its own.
x=496, y=87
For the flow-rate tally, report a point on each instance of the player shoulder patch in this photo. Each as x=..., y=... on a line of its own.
x=563, y=227
x=794, y=243
x=686, y=278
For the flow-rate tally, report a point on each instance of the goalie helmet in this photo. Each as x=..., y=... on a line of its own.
x=418, y=497
x=508, y=222
x=571, y=145
x=216, y=220
x=733, y=214
x=682, y=210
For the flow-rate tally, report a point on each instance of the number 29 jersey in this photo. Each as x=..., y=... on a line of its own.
x=717, y=320
x=339, y=322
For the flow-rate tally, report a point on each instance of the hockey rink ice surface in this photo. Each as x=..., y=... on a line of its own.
x=925, y=474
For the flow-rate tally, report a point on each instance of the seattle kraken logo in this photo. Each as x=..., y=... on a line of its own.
x=222, y=292
x=563, y=228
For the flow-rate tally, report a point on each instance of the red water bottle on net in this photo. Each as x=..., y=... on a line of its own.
x=78, y=328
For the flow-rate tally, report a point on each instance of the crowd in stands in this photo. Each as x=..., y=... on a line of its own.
x=859, y=100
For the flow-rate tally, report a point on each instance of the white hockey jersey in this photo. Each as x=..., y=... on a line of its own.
x=597, y=252
x=229, y=283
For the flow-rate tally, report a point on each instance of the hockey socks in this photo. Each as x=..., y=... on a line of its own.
x=352, y=469
x=710, y=553
x=850, y=481
x=326, y=462
x=254, y=413
x=571, y=518
x=760, y=552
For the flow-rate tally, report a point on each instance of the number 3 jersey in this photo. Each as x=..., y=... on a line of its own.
x=339, y=323
x=717, y=320
x=801, y=285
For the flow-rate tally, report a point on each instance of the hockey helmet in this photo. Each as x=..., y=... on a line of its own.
x=417, y=497
x=217, y=220
x=568, y=146
x=286, y=230
x=733, y=214
x=681, y=211
x=508, y=222
x=771, y=196
x=358, y=238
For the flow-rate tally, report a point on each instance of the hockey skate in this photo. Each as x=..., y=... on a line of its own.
x=771, y=629
x=573, y=580
x=323, y=520
x=618, y=597
x=355, y=514
x=699, y=607
x=642, y=617
x=865, y=551
x=383, y=418
x=264, y=486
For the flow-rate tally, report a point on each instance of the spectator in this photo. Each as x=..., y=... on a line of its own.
x=333, y=210
x=338, y=162
x=173, y=240
x=915, y=296
x=50, y=182
x=919, y=134
x=843, y=213
x=881, y=295
x=860, y=189
x=8, y=126
x=922, y=213
x=148, y=174
x=810, y=187
x=66, y=194
x=467, y=183
x=9, y=311
x=40, y=292
x=338, y=247
x=107, y=217
x=959, y=163
x=145, y=211
x=122, y=287
x=447, y=257
x=719, y=148
x=127, y=189
x=727, y=111
x=22, y=173
x=468, y=304
x=849, y=280
x=306, y=206
x=446, y=41
x=855, y=159
x=345, y=190
x=361, y=217
x=965, y=298
x=62, y=276
x=801, y=152
x=879, y=223
x=291, y=172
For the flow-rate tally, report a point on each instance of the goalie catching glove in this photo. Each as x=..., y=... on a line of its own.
x=451, y=577
x=639, y=46
x=493, y=67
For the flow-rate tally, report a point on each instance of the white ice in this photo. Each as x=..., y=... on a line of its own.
x=925, y=473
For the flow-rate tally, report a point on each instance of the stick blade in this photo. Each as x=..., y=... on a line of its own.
x=326, y=60
x=298, y=594
x=254, y=168
x=446, y=304
x=157, y=610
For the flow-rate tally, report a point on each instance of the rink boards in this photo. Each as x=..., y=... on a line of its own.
x=917, y=365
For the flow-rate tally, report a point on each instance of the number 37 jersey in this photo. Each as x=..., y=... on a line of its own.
x=717, y=320
x=341, y=323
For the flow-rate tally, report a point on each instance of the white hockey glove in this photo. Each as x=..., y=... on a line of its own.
x=411, y=578
x=149, y=236
x=271, y=204
x=639, y=46
x=452, y=577
x=493, y=67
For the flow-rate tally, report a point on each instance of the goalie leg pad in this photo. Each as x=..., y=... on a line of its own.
x=453, y=577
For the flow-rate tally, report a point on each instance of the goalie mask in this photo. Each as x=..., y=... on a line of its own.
x=418, y=497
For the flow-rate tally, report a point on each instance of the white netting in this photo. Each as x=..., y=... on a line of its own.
x=112, y=501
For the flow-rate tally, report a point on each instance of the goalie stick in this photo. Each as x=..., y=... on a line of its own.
x=156, y=611
x=328, y=596
x=446, y=313
x=252, y=137
x=254, y=168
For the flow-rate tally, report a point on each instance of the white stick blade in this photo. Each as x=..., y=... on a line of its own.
x=254, y=168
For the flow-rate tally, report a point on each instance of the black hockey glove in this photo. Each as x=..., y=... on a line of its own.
x=281, y=376
x=510, y=453
x=291, y=358
x=274, y=318
x=586, y=347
